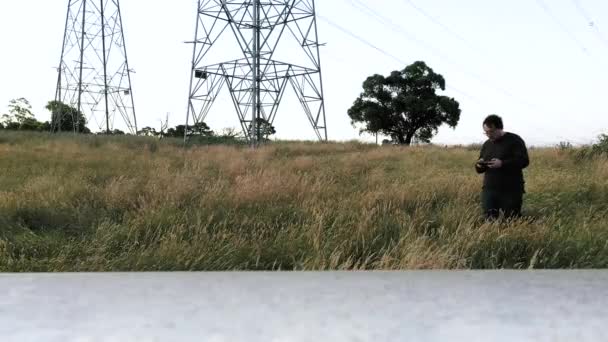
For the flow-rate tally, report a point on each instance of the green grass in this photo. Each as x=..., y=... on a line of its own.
x=95, y=203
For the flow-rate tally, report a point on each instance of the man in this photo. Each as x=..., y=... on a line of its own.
x=502, y=159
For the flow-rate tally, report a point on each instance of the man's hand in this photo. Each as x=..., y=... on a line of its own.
x=478, y=164
x=495, y=163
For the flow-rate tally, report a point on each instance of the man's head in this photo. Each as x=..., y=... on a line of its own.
x=493, y=127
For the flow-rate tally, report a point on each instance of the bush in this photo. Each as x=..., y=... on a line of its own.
x=601, y=147
x=564, y=146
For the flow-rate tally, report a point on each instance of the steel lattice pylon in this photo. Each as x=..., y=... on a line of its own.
x=255, y=80
x=94, y=75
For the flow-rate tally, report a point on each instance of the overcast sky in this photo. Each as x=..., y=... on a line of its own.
x=544, y=69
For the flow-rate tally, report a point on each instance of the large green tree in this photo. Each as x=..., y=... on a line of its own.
x=405, y=105
x=66, y=118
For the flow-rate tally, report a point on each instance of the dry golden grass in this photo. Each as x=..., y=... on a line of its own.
x=121, y=204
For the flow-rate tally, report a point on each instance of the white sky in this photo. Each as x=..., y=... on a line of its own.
x=544, y=74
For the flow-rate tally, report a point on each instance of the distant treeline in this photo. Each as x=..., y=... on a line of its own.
x=21, y=118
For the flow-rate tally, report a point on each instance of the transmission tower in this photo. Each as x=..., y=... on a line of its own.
x=255, y=80
x=94, y=75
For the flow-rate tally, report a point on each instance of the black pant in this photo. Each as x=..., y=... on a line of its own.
x=496, y=202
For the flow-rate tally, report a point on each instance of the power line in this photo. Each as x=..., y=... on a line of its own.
x=563, y=27
x=443, y=26
x=399, y=29
x=590, y=21
x=388, y=54
x=344, y=30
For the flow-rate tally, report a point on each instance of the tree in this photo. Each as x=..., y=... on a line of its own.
x=115, y=131
x=70, y=118
x=177, y=132
x=20, y=116
x=45, y=126
x=266, y=129
x=405, y=105
x=20, y=111
x=147, y=131
x=12, y=126
x=200, y=129
x=30, y=124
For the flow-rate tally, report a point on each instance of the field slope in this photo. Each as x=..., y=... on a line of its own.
x=94, y=203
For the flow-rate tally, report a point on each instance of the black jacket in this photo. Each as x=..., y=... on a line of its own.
x=511, y=149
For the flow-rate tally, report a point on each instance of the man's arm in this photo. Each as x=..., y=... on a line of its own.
x=519, y=159
x=478, y=167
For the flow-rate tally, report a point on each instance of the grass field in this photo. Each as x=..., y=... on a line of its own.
x=93, y=203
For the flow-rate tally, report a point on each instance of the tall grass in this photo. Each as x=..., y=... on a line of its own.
x=137, y=204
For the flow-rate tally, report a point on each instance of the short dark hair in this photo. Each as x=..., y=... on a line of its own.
x=493, y=121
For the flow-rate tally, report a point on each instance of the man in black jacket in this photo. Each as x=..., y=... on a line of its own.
x=502, y=159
